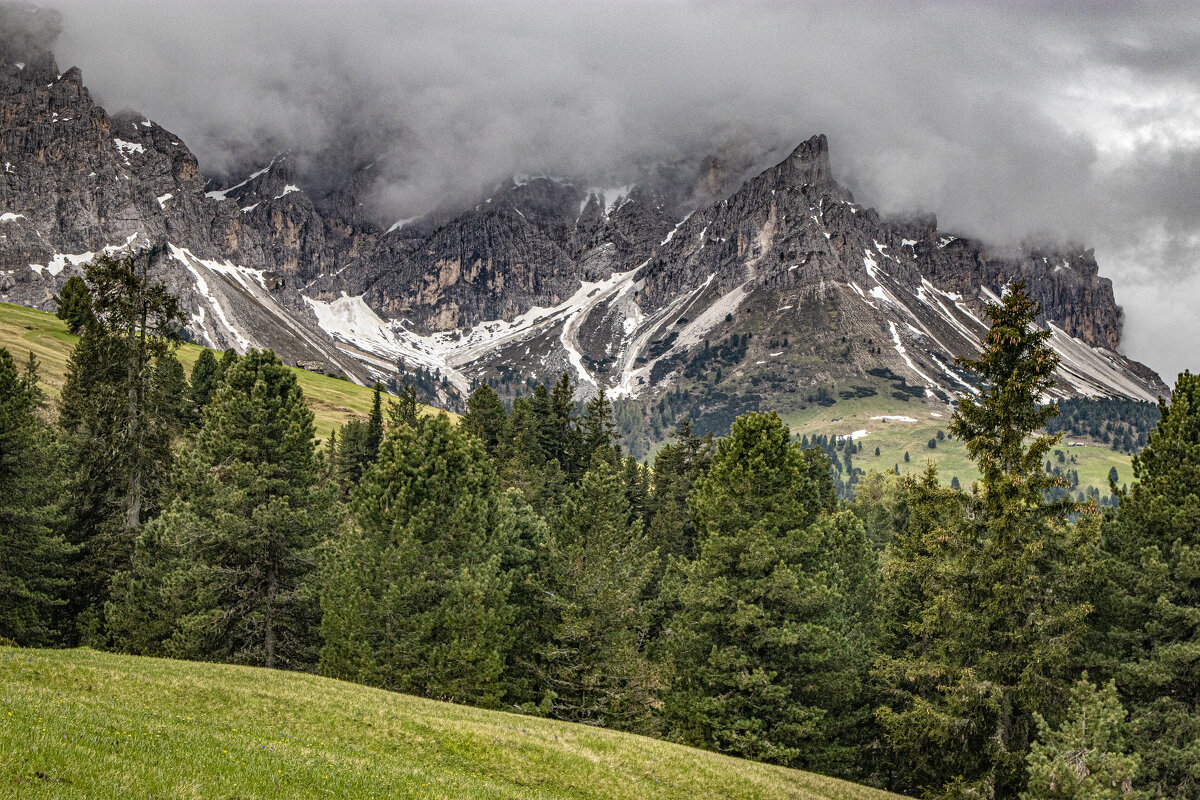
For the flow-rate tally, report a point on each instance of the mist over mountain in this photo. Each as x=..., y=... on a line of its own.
x=1040, y=122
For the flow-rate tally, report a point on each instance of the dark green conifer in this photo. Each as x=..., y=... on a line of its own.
x=374, y=434
x=203, y=384
x=117, y=425
x=74, y=304
x=1155, y=618
x=765, y=642
x=996, y=615
x=487, y=419
x=414, y=593
x=597, y=569
x=33, y=558
x=225, y=573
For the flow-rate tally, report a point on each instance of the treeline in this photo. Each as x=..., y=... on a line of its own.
x=994, y=643
x=1123, y=424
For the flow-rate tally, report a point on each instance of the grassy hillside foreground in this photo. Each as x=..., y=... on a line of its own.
x=23, y=330
x=87, y=724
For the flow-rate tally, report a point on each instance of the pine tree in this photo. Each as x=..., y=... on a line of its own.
x=677, y=467
x=413, y=591
x=487, y=420
x=1086, y=757
x=763, y=642
x=600, y=437
x=227, y=360
x=598, y=567
x=405, y=411
x=74, y=304
x=1011, y=580
x=118, y=424
x=353, y=455
x=225, y=573
x=33, y=558
x=374, y=436
x=566, y=439
x=1154, y=542
x=203, y=384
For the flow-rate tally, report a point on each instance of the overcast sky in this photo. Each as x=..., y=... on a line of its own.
x=1078, y=121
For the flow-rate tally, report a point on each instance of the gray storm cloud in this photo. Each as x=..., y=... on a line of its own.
x=1076, y=121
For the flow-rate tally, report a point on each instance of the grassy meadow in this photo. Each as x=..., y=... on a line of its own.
x=86, y=724
x=24, y=330
x=895, y=437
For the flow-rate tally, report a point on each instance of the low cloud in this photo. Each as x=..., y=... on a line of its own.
x=1074, y=121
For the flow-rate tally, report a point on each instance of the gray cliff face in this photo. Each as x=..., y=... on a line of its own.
x=630, y=289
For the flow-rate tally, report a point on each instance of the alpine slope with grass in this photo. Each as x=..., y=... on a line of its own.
x=81, y=723
x=333, y=401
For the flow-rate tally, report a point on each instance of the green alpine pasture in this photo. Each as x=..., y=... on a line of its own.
x=895, y=437
x=87, y=724
x=24, y=330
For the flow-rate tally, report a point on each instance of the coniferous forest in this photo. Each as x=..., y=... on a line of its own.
x=992, y=641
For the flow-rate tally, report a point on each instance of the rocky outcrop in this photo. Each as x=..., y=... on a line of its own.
x=631, y=287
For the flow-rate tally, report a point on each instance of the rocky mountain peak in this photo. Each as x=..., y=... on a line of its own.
x=728, y=283
x=807, y=164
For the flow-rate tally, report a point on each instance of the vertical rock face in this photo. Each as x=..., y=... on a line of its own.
x=747, y=294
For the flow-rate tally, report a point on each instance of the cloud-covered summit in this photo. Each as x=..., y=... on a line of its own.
x=1009, y=121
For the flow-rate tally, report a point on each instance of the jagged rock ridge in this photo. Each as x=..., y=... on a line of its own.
x=756, y=298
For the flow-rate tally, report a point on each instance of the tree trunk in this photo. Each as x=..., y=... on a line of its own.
x=133, y=499
x=269, y=619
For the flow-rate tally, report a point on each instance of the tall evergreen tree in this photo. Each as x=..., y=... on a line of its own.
x=677, y=467
x=374, y=435
x=413, y=591
x=1000, y=595
x=600, y=438
x=32, y=556
x=203, y=385
x=1155, y=548
x=405, y=411
x=597, y=569
x=565, y=437
x=118, y=424
x=74, y=304
x=353, y=454
x=487, y=420
x=1086, y=757
x=763, y=642
x=225, y=573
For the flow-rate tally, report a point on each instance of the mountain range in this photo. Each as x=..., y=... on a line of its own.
x=697, y=288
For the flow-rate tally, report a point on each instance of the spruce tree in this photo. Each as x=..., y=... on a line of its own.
x=1154, y=542
x=1086, y=757
x=33, y=557
x=203, y=384
x=74, y=304
x=566, y=438
x=487, y=420
x=225, y=573
x=600, y=436
x=763, y=644
x=374, y=436
x=597, y=568
x=414, y=593
x=677, y=467
x=118, y=419
x=1000, y=622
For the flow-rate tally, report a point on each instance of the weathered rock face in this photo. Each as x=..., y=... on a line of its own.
x=632, y=288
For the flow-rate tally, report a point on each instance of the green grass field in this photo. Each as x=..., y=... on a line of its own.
x=24, y=330
x=87, y=724
x=896, y=437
